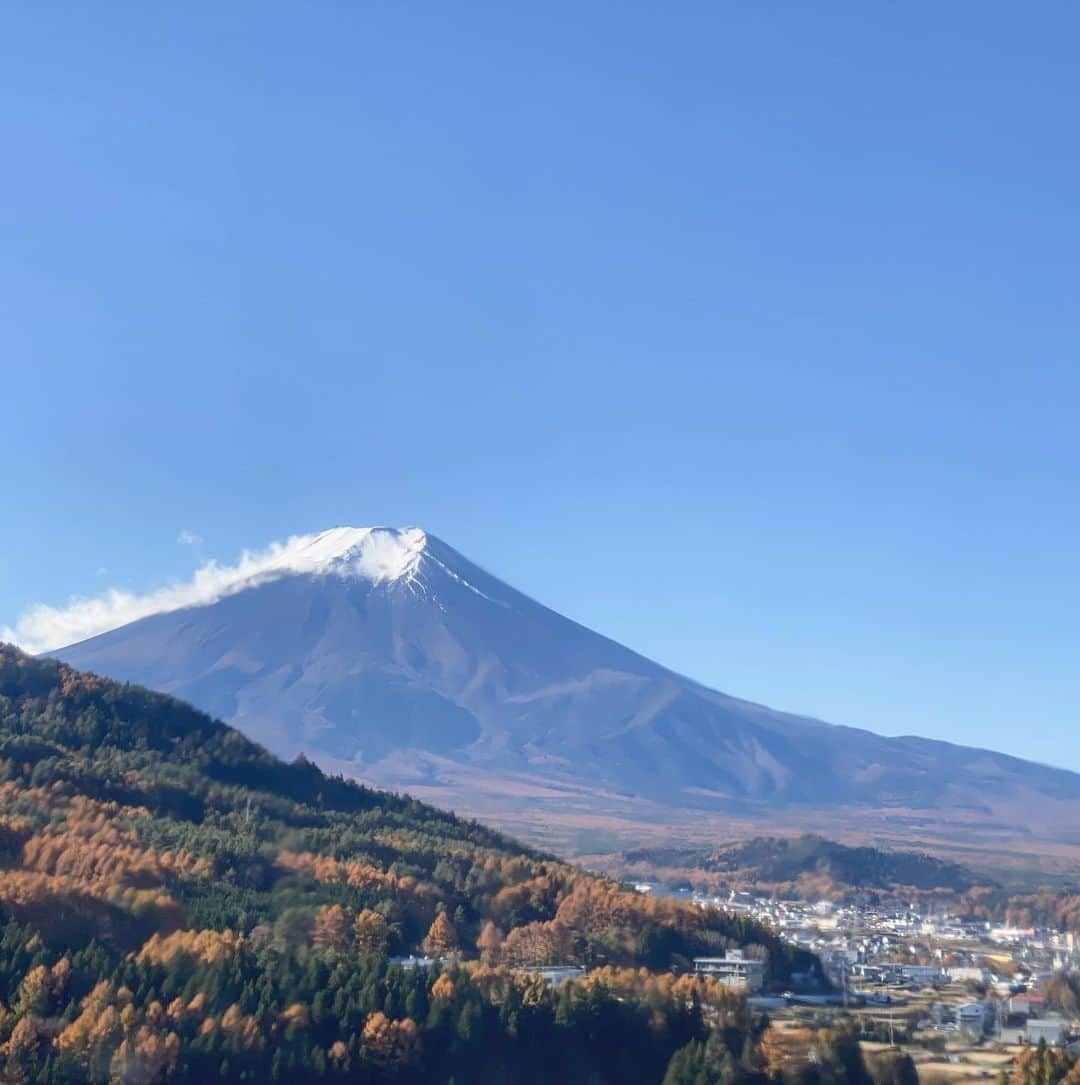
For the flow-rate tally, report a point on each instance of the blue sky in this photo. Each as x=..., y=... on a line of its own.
x=744, y=333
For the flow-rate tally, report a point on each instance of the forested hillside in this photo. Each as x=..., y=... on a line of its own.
x=809, y=865
x=178, y=904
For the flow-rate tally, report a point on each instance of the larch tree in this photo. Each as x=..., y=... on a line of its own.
x=489, y=942
x=442, y=938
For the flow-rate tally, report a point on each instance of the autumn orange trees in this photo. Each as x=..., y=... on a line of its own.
x=441, y=938
x=111, y=1038
x=391, y=1044
x=489, y=942
x=1044, y=1065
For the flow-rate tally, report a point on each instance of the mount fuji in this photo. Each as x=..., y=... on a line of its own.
x=387, y=655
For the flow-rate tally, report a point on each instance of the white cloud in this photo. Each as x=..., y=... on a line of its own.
x=189, y=538
x=375, y=554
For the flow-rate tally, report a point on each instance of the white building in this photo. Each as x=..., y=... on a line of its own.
x=555, y=975
x=1053, y=1028
x=734, y=970
x=410, y=963
x=926, y=974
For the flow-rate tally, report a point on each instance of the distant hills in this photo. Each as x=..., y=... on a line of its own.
x=387, y=655
x=810, y=864
x=809, y=867
x=177, y=904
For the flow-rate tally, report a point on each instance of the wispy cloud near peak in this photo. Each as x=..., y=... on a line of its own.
x=376, y=554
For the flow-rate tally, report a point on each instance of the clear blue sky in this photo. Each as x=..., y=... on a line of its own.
x=744, y=333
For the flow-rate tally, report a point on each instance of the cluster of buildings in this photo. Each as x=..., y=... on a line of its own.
x=986, y=979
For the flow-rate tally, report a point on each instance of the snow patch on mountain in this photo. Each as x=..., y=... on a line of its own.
x=377, y=554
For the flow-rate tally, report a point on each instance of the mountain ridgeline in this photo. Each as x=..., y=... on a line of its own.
x=387, y=655
x=177, y=904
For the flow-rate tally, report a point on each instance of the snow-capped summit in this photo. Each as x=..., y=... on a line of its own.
x=387, y=654
x=377, y=554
